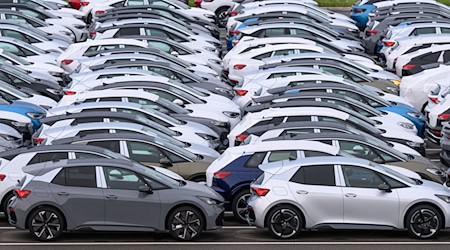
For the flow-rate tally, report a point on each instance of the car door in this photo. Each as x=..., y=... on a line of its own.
x=364, y=203
x=82, y=201
x=315, y=189
x=125, y=205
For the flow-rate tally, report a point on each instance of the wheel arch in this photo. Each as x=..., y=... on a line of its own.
x=183, y=204
x=64, y=217
x=4, y=198
x=429, y=203
x=285, y=202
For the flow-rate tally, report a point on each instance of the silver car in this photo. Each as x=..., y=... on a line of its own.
x=345, y=193
x=111, y=195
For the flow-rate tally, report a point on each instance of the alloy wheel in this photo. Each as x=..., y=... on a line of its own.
x=285, y=223
x=46, y=225
x=186, y=224
x=241, y=206
x=424, y=223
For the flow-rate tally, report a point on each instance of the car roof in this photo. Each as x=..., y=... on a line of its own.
x=89, y=114
x=265, y=146
x=317, y=136
x=313, y=124
x=331, y=85
x=44, y=148
x=103, y=136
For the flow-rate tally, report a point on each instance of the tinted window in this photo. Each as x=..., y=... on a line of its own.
x=118, y=178
x=48, y=156
x=86, y=120
x=91, y=132
x=361, y=177
x=79, y=155
x=423, y=31
x=127, y=32
x=262, y=56
x=297, y=131
x=298, y=119
x=358, y=150
x=315, y=175
x=445, y=30
x=144, y=152
x=282, y=155
x=431, y=57
x=255, y=160
x=274, y=121
x=111, y=145
x=76, y=177
x=315, y=153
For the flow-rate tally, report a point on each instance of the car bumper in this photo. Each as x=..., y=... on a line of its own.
x=214, y=217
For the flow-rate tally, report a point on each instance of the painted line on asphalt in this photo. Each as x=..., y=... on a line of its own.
x=222, y=243
x=435, y=160
x=433, y=149
x=237, y=227
x=7, y=228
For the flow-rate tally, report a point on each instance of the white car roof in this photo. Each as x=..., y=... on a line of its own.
x=428, y=38
x=114, y=93
x=433, y=48
x=292, y=111
x=110, y=41
x=270, y=48
x=394, y=2
x=283, y=145
x=418, y=25
x=252, y=41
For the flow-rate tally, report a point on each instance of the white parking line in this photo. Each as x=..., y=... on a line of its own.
x=237, y=227
x=435, y=160
x=433, y=149
x=223, y=243
x=7, y=228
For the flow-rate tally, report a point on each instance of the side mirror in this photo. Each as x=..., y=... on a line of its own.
x=178, y=102
x=165, y=162
x=384, y=187
x=145, y=189
x=378, y=160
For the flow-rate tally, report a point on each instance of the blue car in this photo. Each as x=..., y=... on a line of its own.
x=409, y=113
x=360, y=13
x=233, y=35
x=32, y=111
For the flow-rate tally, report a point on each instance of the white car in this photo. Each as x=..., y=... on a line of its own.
x=251, y=60
x=106, y=58
x=55, y=9
x=27, y=51
x=224, y=113
x=436, y=115
x=279, y=115
x=220, y=8
x=291, y=196
x=277, y=6
x=415, y=29
x=410, y=44
x=68, y=59
x=415, y=88
x=47, y=135
x=10, y=93
x=438, y=51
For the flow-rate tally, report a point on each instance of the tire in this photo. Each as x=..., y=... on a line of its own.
x=222, y=16
x=239, y=204
x=284, y=222
x=46, y=224
x=185, y=223
x=424, y=222
x=6, y=201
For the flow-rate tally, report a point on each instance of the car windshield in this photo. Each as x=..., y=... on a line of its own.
x=162, y=136
x=15, y=58
x=385, y=146
x=155, y=175
x=11, y=89
x=178, y=150
x=393, y=173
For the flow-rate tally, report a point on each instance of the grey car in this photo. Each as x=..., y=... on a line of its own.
x=111, y=195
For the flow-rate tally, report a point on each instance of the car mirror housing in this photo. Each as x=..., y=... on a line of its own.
x=384, y=187
x=145, y=189
x=165, y=162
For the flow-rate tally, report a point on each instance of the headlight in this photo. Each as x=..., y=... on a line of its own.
x=20, y=124
x=220, y=124
x=231, y=114
x=209, y=16
x=393, y=90
x=205, y=136
x=34, y=115
x=55, y=91
x=9, y=138
x=443, y=197
x=413, y=144
x=406, y=125
x=209, y=49
x=215, y=61
x=209, y=201
x=225, y=91
x=436, y=171
x=396, y=82
x=415, y=115
x=56, y=74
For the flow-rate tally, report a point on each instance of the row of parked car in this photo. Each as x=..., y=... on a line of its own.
x=122, y=118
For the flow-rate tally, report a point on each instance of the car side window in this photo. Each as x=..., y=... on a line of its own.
x=431, y=57
x=298, y=119
x=446, y=56
x=91, y=132
x=309, y=153
x=119, y=178
x=76, y=177
x=48, y=156
x=274, y=121
x=263, y=56
x=358, y=149
x=284, y=52
x=144, y=152
x=445, y=30
x=321, y=175
x=127, y=32
x=135, y=2
x=84, y=155
x=255, y=160
x=297, y=131
x=280, y=75
x=359, y=177
x=174, y=158
x=282, y=155
x=111, y=145
x=423, y=31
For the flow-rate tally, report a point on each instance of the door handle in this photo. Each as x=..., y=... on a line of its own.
x=351, y=195
x=302, y=192
x=63, y=194
x=111, y=197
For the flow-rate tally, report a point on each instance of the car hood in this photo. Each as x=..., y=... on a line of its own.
x=204, y=151
x=202, y=189
x=28, y=106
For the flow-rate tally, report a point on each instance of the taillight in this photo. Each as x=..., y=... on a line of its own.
x=233, y=13
x=372, y=32
x=22, y=193
x=67, y=61
x=408, y=66
x=444, y=116
x=98, y=12
x=235, y=32
x=260, y=191
x=198, y=3
x=241, y=92
x=235, y=42
x=434, y=99
x=241, y=137
x=92, y=33
x=69, y=92
x=239, y=66
x=221, y=174
x=389, y=44
x=2, y=177
x=85, y=3
x=38, y=140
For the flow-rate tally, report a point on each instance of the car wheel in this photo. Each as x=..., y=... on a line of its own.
x=185, y=223
x=284, y=222
x=222, y=16
x=424, y=222
x=46, y=224
x=6, y=201
x=239, y=205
